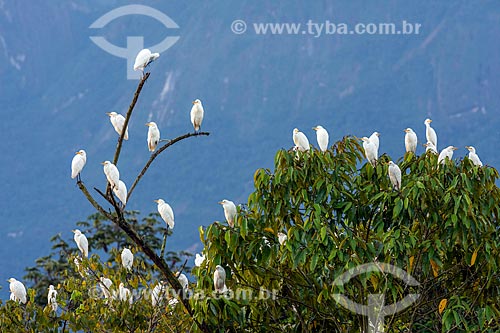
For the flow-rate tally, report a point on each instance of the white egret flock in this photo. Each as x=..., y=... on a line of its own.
x=144, y=58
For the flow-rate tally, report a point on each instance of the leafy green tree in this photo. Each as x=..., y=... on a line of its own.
x=80, y=297
x=441, y=228
x=107, y=240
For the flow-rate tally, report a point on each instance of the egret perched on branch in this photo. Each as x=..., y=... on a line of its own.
x=124, y=294
x=410, y=140
x=199, y=259
x=321, y=137
x=52, y=298
x=153, y=136
x=282, y=238
x=183, y=280
x=430, y=133
x=429, y=146
x=395, y=175
x=118, y=121
x=371, y=151
x=473, y=156
x=300, y=140
x=446, y=153
x=374, y=139
x=144, y=58
x=78, y=163
x=197, y=115
x=127, y=258
x=229, y=211
x=112, y=174
x=82, y=242
x=17, y=291
x=158, y=293
x=220, y=279
x=166, y=213
x=105, y=285
x=121, y=192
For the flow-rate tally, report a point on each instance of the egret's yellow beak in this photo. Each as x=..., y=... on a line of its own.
x=77, y=153
x=73, y=230
x=454, y=148
x=430, y=120
x=147, y=124
x=194, y=102
x=103, y=163
x=156, y=201
x=108, y=113
x=220, y=203
x=315, y=128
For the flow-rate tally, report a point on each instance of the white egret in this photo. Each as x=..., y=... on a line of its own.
x=118, y=121
x=446, y=153
x=153, y=135
x=127, y=258
x=395, y=175
x=166, y=213
x=17, y=291
x=374, y=139
x=410, y=140
x=52, y=298
x=112, y=174
x=82, y=242
x=183, y=280
x=78, y=163
x=197, y=115
x=282, y=238
x=124, y=294
x=429, y=146
x=121, y=192
x=105, y=285
x=144, y=58
x=371, y=151
x=430, y=133
x=321, y=137
x=199, y=259
x=473, y=156
x=76, y=261
x=229, y=211
x=220, y=279
x=158, y=293
x=300, y=140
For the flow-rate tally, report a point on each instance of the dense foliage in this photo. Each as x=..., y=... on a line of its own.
x=441, y=228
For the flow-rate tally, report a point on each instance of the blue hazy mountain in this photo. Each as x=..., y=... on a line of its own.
x=56, y=86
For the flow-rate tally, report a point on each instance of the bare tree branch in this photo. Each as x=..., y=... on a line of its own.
x=158, y=152
x=127, y=117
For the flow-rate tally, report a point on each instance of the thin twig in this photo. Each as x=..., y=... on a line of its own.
x=158, y=152
x=162, y=251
